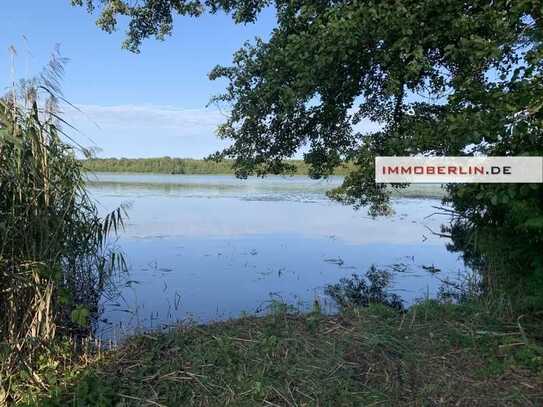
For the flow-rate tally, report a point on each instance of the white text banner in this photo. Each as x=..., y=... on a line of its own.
x=444, y=170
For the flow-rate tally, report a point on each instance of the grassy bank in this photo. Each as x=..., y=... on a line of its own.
x=168, y=165
x=435, y=354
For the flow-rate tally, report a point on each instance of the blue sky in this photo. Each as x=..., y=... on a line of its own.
x=134, y=105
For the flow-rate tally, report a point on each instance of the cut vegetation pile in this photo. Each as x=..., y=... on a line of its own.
x=435, y=354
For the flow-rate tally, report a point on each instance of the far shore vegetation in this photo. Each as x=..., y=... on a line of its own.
x=188, y=166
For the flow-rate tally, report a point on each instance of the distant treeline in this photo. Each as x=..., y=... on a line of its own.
x=169, y=165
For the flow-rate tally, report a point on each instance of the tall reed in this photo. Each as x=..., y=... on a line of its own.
x=54, y=259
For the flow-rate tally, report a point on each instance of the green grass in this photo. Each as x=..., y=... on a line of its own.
x=435, y=354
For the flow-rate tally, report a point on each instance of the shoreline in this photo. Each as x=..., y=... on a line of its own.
x=434, y=352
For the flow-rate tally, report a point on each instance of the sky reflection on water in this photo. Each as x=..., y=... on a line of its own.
x=212, y=247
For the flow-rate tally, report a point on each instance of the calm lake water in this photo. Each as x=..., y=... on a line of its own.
x=206, y=248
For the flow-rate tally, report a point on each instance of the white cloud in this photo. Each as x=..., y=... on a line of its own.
x=147, y=130
x=151, y=116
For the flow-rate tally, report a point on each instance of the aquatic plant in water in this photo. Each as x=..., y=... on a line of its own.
x=361, y=291
x=55, y=262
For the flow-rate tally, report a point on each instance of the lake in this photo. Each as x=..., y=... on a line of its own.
x=206, y=248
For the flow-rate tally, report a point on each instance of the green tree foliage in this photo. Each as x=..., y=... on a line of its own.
x=164, y=165
x=438, y=76
x=188, y=166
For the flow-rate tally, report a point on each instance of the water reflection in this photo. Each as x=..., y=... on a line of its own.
x=212, y=247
